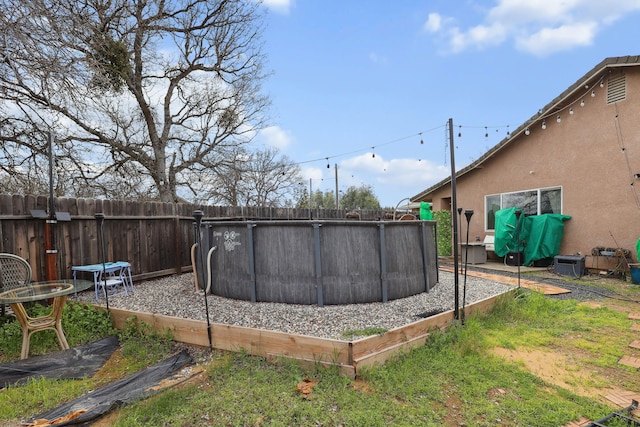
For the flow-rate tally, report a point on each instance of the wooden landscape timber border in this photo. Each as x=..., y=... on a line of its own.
x=349, y=356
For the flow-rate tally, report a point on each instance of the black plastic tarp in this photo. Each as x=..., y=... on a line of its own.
x=100, y=402
x=76, y=363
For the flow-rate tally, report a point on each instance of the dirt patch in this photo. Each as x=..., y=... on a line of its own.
x=554, y=368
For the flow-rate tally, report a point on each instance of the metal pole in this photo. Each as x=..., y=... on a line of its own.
x=198, y=214
x=454, y=207
x=50, y=240
x=100, y=221
x=518, y=213
x=460, y=228
x=468, y=214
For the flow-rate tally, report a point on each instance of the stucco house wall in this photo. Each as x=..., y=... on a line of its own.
x=592, y=154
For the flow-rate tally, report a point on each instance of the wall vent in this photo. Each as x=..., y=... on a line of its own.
x=617, y=89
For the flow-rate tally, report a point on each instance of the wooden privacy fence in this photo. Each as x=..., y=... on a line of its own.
x=154, y=237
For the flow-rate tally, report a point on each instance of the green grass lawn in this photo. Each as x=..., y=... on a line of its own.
x=454, y=380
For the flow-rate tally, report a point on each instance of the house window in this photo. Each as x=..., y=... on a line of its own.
x=532, y=202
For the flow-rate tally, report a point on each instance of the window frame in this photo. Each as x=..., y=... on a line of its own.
x=539, y=192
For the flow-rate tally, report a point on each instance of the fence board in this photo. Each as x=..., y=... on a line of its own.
x=154, y=237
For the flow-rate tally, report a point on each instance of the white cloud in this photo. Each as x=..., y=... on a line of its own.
x=538, y=27
x=368, y=162
x=391, y=180
x=434, y=23
x=279, y=6
x=276, y=137
x=551, y=40
x=408, y=172
x=312, y=173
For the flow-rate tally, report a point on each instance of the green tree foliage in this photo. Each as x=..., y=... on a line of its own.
x=444, y=233
x=359, y=198
x=319, y=199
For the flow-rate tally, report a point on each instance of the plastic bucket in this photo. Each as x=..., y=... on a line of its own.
x=635, y=273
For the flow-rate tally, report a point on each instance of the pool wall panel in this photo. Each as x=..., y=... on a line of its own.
x=321, y=262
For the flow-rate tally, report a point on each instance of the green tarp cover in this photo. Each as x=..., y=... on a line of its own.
x=425, y=211
x=542, y=234
x=505, y=232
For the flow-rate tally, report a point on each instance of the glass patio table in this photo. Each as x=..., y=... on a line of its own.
x=56, y=290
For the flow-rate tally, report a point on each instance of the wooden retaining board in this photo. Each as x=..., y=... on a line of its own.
x=349, y=356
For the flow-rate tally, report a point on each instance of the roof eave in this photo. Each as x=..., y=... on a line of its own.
x=584, y=83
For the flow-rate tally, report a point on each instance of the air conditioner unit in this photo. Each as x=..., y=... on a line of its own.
x=572, y=266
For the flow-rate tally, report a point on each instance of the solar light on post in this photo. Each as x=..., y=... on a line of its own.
x=99, y=222
x=459, y=228
x=468, y=213
x=198, y=214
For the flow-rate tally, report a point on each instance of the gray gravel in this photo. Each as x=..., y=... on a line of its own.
x=177, y=296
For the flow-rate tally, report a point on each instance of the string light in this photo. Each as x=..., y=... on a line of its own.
x=508, y=133
x=557, y=112
x=527, y=131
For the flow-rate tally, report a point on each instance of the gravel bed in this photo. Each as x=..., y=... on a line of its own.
x=177, y=296
x=579, y=291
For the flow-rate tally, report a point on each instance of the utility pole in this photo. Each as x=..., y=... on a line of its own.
x=454, y=208
x=337, y=196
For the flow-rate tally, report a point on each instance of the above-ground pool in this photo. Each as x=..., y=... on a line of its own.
x=319, y=262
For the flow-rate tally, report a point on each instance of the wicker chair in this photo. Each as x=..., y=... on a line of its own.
x=14, y=273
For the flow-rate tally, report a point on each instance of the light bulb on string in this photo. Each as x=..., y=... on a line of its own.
x=582, y=103
x=373, y=154
x=459, y=131
x=508, y=132
x=602, y=83
x=571, y=111
x=421, y=140
x=544, y=124
x=486, y=132
x=328, y=167
x=558, y=119
x=593, y=93
x=527, y=131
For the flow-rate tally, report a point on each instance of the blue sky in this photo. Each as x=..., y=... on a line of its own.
x=361, y=83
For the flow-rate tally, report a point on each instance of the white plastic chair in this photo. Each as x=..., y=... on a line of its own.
x=113, y=282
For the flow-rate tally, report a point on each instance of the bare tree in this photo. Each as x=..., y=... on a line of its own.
x=263, y=178
x=143, y=95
